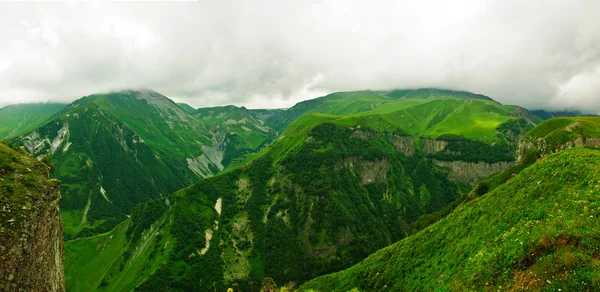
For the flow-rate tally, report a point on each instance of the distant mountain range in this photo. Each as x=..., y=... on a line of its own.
x=349, y=175
x=157, y=194
x=114, y=151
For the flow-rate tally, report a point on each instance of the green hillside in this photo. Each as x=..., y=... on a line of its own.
x=546, y=115
x=457, y=132
x=325, y=193
x=245, y=130
x=105, y=168
x=94, y=261
x=561, y=130
x=188, y=109
x=328, y=191
x=114, y=151
x=320, y=208
x=386, y=102
x=536, y=232
x=19, y=119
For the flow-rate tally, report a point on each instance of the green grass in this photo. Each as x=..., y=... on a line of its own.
x=19, y=119
x=431, y=118
x=100, y=263
x=404, y=107
x=536, y=232
x=252, y=127
x=564, y=129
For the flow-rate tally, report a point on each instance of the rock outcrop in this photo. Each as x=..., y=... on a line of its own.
x=404, y=144
x=467, y=172
x=432, y=146
x=31, y=235
x=472, y=172
x=544, y=148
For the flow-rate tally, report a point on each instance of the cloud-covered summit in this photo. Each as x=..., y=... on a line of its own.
x=271, y=53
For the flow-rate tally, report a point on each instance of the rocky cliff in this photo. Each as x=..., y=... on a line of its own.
x=31, y=235
x=433, y=146
x=557, y=134
x=472, y=172
x=545, y=148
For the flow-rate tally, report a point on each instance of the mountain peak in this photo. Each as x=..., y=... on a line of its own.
x=150, y=95
x=432, y=93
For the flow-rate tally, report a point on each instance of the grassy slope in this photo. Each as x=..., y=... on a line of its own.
x=251, y=127
x=98, y=262
x=538, y=231
x=436, y=115
x=158, y=120
x=545, y=115
x=20, y=119
x=101, y=153
x=560, y=130
x=427, y=118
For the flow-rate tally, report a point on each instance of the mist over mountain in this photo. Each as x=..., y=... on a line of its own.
x=205, y=53
x=315, y=146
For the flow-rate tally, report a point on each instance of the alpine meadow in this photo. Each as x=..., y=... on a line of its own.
x=313, y=146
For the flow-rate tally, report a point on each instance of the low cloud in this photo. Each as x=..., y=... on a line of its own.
x=538, y=54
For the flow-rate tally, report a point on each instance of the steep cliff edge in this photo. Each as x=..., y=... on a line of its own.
x=468, y=161
x=31, y=240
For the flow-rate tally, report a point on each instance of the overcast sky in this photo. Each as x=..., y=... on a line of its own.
x=538, y=54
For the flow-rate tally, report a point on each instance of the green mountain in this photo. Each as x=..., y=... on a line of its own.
x=188, y=109
x=535, y=231
x=19, y=119
x=245, y=131
x=474, y=137
x=331, y=202
x=114, y=151
x=344, y=103
x=327, y=192
x=546, y=115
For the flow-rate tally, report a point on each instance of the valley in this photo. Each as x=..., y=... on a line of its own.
x=320, y=196
x=300, y=146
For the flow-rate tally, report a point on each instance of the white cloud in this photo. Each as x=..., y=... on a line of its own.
x=274, y=53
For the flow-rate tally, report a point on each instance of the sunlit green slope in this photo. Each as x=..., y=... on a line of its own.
x=474, y=137
x=399, y=102
x=20, y=119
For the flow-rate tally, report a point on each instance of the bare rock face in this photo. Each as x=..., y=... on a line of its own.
x=472, y=172
x=31, y=235
x=403, y=144
x=545, y=149
x=432, y=146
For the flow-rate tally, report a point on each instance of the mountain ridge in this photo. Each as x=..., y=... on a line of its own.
x=256, y=219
